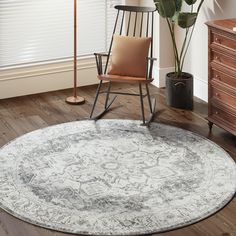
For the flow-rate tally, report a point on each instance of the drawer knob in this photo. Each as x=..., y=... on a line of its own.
x=218, y=77
x=217, y=94
x=218, y=40
x=217, y=58
x=217, y=113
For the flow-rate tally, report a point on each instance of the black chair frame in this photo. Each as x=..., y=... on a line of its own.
x=141, y=14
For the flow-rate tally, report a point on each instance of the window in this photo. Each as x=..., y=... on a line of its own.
x=42, y=30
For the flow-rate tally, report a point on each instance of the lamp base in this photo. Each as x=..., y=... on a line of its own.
x=75, y=100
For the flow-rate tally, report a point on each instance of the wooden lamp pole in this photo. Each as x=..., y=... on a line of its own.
x=75, y=99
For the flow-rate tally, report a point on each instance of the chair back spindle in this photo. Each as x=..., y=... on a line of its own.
x=134, y=21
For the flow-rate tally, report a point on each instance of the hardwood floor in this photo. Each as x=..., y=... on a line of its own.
x=25, y=114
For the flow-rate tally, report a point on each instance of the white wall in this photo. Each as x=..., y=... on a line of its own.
x=197, y=58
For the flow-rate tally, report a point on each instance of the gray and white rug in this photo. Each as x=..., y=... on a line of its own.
x=114, y=177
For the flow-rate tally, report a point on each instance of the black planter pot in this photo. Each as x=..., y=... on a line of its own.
x=179, y=91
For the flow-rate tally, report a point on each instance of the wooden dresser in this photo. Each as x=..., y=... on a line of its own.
x=222, y=74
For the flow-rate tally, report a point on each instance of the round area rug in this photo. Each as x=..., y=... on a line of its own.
x=114, y=177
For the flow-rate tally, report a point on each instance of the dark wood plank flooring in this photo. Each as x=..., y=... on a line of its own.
x=28, y=113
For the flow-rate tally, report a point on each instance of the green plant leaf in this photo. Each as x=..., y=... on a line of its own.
x=178, y=5
x=174, y=19
x=171, y=10
x=190, y=2
x=186, y=19
x=166, y=8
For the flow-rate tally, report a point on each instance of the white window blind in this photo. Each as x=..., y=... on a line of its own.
x=42, y=30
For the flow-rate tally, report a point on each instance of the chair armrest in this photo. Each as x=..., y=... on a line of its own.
x=101, y=54
x=150, y=62
x=98, y=57
x=151, y=58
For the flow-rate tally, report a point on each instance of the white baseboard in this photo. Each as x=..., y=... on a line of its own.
x=34, y=79
x=160, y=76
x=201, y=89
x=47, y=77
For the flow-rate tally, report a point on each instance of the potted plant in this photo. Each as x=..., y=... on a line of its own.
x=179, y=84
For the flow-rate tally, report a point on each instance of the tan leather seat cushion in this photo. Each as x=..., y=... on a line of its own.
x=129, y=56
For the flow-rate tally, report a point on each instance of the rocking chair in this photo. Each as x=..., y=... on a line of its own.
x=135, y=25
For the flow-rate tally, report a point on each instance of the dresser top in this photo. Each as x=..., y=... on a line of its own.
x=226, y=25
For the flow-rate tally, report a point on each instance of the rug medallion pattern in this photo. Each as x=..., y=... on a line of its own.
x=114, y=177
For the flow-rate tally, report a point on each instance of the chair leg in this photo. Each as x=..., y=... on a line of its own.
x=141, y=100
x=149, y=98
x=107, y=104
x=108, y=93
x=96, y=98
x=152, y=106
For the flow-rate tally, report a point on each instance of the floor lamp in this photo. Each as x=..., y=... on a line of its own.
x=75, y=99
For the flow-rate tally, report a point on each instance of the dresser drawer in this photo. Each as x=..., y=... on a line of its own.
x=223, y=59
x=224, y=41
x=223, y=96
x=222, y=74
x=224, y=116
x=221, y=77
